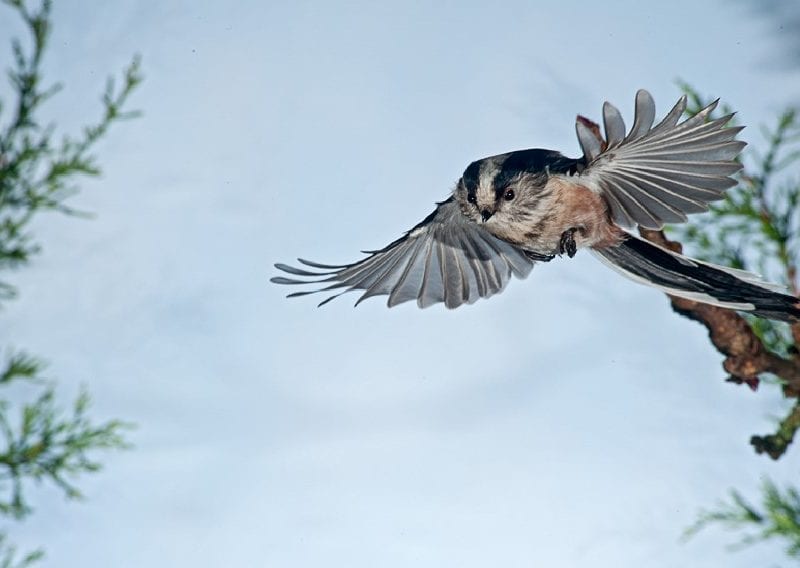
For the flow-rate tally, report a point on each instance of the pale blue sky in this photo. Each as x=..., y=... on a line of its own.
x=573, y=420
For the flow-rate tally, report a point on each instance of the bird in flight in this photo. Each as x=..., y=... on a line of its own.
x=509, y=211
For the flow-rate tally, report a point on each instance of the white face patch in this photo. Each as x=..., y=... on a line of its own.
x=488, y=172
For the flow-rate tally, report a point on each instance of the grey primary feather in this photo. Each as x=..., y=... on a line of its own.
x=644, y=116
x=589, y=143
x=657, y=175
x=614, y=125
x=445, y=258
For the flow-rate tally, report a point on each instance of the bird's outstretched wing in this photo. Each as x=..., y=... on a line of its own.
x=658, y=174
x=445, y=258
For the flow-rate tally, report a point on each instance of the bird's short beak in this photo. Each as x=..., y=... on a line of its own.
x=485, y=214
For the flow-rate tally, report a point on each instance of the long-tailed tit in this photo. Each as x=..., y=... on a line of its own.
x=511, y=210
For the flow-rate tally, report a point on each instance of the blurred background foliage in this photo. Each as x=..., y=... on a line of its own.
x=776, y=518
x=40, y=440
x=757, y=228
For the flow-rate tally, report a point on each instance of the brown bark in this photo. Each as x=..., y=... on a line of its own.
x=746, y=356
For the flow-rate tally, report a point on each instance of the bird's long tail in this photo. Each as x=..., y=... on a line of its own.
x=678, y=275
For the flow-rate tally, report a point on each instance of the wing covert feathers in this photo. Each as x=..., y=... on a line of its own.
x=445, y=259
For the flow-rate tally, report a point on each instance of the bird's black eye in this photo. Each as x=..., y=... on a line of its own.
x=509, y=194
x=471, y=198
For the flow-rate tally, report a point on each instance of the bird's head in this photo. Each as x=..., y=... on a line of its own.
x=503, y=190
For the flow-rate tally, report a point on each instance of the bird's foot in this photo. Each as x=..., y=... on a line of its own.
x=567, y=243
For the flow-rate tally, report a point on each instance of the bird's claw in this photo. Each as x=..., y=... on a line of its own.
x=567, y=243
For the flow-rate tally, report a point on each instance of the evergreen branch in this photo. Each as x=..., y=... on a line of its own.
x=36, y=174
x=42, y=442
x=778, y=517
x=48, y=444
x=8, y=555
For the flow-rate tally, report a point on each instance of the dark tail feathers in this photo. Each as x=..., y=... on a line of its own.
x=682, y=276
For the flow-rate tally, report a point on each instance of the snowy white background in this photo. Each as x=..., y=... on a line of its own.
x=573, y=420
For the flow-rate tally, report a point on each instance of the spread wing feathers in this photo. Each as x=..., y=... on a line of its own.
x=658, y=174
x=445, y=258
